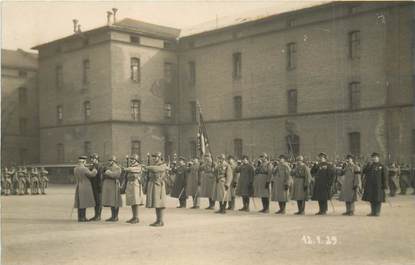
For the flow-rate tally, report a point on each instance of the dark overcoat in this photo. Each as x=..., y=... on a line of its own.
x=375, y=183
x=324, y=174
x=246, y=179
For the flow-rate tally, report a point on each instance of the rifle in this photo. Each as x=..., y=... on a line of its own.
x=123, y=177
x=147, y=175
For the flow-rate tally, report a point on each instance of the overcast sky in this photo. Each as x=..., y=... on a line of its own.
x=26, y=24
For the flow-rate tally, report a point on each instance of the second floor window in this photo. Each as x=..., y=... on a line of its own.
x=237, y=107
x=22, y=95
x=237, y=65
x=85, y=72
x=23, y=126
x=59, y=113
x=192, y=73
x=59, y=76
x=135, y=69
x=292, y=101
x=291, y=56
x=293, y=144
x=87, y=110
x=135, y=110
x=354, y=95
x=354, y=45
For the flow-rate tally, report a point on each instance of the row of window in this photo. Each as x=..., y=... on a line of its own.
x=135, y=72
x=291, y=51
x=135, y=108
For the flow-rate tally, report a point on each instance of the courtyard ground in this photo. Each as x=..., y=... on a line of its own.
x=38, y=230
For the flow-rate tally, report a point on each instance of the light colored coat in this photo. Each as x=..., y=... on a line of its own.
x=223, y=173
x=262, y=175
x=156, y=189
x=111, y=195
x=134, y=190
x=301, y=185
x=351, y=183
x=281, y=177
x=84, y=196
x=207, y=180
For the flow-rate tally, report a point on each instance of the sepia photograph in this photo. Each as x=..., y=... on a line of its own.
x=207, y=132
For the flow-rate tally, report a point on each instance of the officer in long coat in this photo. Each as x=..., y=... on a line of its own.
x=232, y=188
x=375, y=185
x=84, y=196
x=156, y=190
x=111, y=194
x=301, y=183
x=221, y=193
x=263, y=171
x=43, y=179
x=324, y=174
x=96, y=183
x=193, y=183
x=244, y=186
x=351, y=184
x=134, y=190
x=207, y=180
x=179, y=186
x=281, y=181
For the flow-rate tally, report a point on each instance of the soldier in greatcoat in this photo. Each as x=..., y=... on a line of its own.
x=281, y=181
x=156, y=189
x=375, y=185
x=96, y=183
x=207, y=180
x=28, y=180
x=193, y=183
x=134, y=190
x=111, y=193
x=244, y=186
x=324, y=174
x=179, y=186
x=34, y=181
x=21, y=178
x=351, y=184
x=84, y=195
x=43, y=179
x=8, y=175
x=404, y=179
x=221, y=193
x=302, y=178
x=393, y=179
x=263, y=171
x=232, y=188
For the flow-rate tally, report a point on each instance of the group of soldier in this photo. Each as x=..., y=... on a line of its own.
x=222, y=180
x=23, y=180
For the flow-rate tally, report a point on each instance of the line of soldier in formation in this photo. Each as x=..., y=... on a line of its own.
x=222, y=180
x=20, y=180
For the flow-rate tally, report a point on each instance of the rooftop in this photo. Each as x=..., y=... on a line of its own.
x=18, y=59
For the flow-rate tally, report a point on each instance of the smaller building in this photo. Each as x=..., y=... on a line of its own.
x=19, y=108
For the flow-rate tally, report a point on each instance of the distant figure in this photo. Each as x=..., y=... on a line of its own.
x=375, y=185
x=244, y=186
x=393, y=179
x=221, y=193
x=263, y=171
x=134, y=191
x=281, y=182
x=179, y=186
x=84, y=196
x=207, y=180
x=193, y=183
x=301, y=185
x=111, y=193
x=324, y=174
x=351, y=184
x=43, y=180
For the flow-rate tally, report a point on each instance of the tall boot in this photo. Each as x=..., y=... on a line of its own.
x=265, y=205
x=196, y=202
x=134, y=219
x=283, y=204
x=116, y=209
x=320, y=208
x=325, y=204
x=79, y=215
x=302, y=207
x=372, y=209
x=159, y=216
x=82, y=212
x=211, y=205
x=377, y=209
x=232, y=204
x=112, y=215
x=299, y=204
x=351, y=208
x=347, y=208
x=247, y=204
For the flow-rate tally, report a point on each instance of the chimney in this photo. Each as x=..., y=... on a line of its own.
x=114, y=10
x=75, y=23
x=109, y=14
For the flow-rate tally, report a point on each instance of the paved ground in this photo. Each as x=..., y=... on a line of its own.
x=38, y=230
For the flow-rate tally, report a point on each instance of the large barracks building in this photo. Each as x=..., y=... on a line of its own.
x=336, y=78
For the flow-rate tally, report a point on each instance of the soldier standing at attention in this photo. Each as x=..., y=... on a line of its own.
x=193, y=183
x=232, y=188
x=35, y=181
x=43, y=179
x=8, y=175
x=281, y=181
x=350, y=185
x=302, y=179
x=84, y=196
x=324, y=174
x=263, y=172
x=134, y=190
x=393, y=179
x=244, y=186
x=224, y=176
x=207, y=180
x=21, y=177
x=27, y=181
x=111, y=194
x=156, y=189
x=179, y=186
x=404, y=178
x=375, y=185
x=96, y=183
